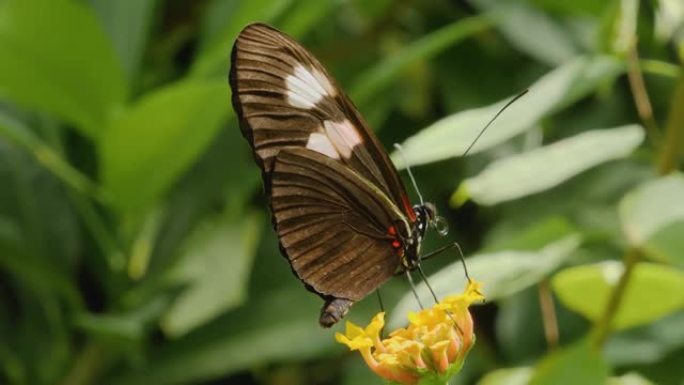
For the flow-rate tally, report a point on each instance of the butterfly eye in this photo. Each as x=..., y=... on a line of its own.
x=440, y=224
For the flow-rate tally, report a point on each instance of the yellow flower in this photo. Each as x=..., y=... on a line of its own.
x=430, y=349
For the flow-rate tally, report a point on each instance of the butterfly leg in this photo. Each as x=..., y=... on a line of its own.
x=413, y=288
x=442, y=249
x=333, y=310
x=382, y=306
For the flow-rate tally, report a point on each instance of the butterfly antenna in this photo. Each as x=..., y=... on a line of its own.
x=413, y=289
x=413, y=180
x=516, y=97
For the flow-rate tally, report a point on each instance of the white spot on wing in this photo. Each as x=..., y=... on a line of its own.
x=305, y=89
x=343, y=136
x=320, y=143
x=324, y=82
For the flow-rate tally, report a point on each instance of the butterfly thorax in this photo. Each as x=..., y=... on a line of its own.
x=425, y=215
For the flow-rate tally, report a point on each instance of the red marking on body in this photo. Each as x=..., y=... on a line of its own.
x=396, y=244
x=408, y=208
x=392, y=230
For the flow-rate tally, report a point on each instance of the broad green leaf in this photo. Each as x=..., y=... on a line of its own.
x=532, y=237
x=580, y=363
x=653, y=291
x=147, y=147
x=130, y=326
x=47, y=250
x=546, y=167
x=215, y=265
x=502, y=273
x=625, y=27
x=371, y=82
x=667, y=245
x=128, y=24
x=33, y=272
x=16, y=132
x=225, y=19
x=578, y=7
x=24, y=138
x=197, y=192
x=279, y=325
x=449, y=137
x=513, y=376
x=531, y=31
x=629, y=379
x=652, y=207
x=669, y=20
x=56, y=58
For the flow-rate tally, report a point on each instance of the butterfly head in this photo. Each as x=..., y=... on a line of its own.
x=426, y=215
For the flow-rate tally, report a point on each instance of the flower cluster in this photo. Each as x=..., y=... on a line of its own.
x=430, y=350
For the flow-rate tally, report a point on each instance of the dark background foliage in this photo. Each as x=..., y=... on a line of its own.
x=135, y=247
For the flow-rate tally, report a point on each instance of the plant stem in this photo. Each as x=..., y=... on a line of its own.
x=672, y=145
x=548, y=311
x=640, y=95
x=88, y=365
x=667, y=162
x=604, y=325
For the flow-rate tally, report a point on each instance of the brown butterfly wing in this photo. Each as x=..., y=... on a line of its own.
x=334, y=193
x=332, y=225
x=286, y=99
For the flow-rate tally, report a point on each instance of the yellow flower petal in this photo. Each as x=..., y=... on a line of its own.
x=442, y=334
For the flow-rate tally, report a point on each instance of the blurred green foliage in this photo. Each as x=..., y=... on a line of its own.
x=135, y=246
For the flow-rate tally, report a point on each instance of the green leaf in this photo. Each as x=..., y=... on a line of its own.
x=372, y=81
x=513, y=376
x=449, y=137
x=280, y=325
x=46, y=251
x=531, y=31
x=667, y=245
x=56, y=58
x=629, y=379
x=647, y=344
x=25, y=139
x=532, y=237
x=652, y=207
x=215, y=264
x=130, y=326
x=625, y=29
x=127, y=22
x=580, y=363
x=653, y=291
x=33, y=272
x=150, y=145
x=546, y=167
x=225, y=19
x=502, y=273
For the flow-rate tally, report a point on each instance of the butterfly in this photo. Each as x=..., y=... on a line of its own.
x=340, y=210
